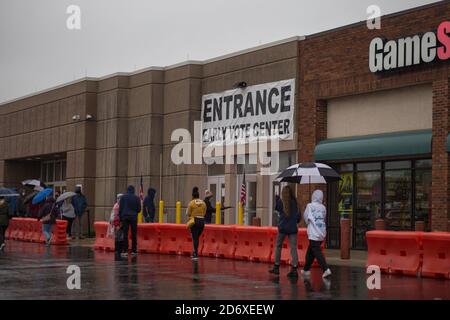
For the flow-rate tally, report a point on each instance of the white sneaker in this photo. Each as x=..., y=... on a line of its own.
x=124, y=255
x=326, y=273
x=305, y=273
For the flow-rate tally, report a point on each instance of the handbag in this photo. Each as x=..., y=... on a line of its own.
x=48, y=217
x=190, y=223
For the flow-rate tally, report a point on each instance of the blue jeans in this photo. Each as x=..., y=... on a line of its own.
x=47, y=230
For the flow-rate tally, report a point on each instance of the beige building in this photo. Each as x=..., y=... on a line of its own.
x=106, y=133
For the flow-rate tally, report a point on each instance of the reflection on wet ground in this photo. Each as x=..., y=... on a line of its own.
x=33, y=271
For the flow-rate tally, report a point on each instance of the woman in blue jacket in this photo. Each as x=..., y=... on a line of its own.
x=287, y=227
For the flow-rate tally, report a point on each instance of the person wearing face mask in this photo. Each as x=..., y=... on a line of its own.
x=4, y=221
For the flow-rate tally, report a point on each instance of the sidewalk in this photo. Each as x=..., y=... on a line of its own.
x=358, y=258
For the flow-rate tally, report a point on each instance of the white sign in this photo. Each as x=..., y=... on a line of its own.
x=242, y=115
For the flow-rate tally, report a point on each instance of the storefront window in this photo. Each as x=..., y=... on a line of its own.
x=397, y=206
x=423, y=196
x=368, y=205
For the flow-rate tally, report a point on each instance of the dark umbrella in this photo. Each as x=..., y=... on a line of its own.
x=42, y=195
x=309, y=172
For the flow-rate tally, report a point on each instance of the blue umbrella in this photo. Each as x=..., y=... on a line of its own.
x=7, y=192
x=42, y=195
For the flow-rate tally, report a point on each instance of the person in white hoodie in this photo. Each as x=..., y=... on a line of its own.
x=315, y=214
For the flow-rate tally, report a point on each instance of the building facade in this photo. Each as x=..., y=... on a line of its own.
x=378, y=114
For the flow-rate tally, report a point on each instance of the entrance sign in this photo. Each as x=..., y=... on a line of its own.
x=413, y=50
x=242, y=115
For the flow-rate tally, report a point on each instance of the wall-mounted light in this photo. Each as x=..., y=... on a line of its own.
x=76, y=117
x=89, y=117
x=240, y=85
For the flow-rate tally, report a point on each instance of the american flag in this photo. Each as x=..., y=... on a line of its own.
x=243, y=191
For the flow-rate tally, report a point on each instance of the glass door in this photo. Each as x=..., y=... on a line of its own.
x=216, y=185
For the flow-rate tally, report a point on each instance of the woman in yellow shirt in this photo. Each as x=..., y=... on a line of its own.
x=196, y=211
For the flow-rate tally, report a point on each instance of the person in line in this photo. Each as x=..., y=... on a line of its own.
x=209, y=208
x=149, y=206
x=129, y=206
x=114, y=227
x=68, y=214
x=5, y=215
x=47, y=215
x=315, y=214
x=79, y=204
x=196, y=211
x=289, y=217
x=21, y=207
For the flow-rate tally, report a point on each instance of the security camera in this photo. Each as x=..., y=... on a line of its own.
x=74, y=117
x=240, y=85
x=88, y=117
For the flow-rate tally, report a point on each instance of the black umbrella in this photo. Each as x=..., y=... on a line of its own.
x=309, y=172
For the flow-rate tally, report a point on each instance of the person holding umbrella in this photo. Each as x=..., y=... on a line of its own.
x=287, y=227
x=47, y=214
x=67, y=211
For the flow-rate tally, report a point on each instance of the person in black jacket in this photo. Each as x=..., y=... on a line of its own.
x=5, y=215
x=149, y=206
x=129, y=206
x=209, y=208
x=47, y=215
x=287, y=227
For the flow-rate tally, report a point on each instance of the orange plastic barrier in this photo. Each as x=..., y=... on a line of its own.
x=394, y=251
x=102, y=241
x=29, y=229
x=253, y=243
x=175, y=239
x=219, y=241
x=436, y=254
x=148, y=237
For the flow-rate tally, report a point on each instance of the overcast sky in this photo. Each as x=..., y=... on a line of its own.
x=38, y=51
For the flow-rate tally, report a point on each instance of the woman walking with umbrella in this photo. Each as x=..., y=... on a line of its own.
x=67, y=211
x=47, y=214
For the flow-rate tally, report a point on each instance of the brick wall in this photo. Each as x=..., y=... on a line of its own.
x=336, y=63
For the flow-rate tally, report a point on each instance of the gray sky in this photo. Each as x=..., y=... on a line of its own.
x=38, y=51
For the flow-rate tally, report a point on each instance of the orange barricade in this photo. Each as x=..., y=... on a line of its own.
x=219, y=241
x=175, y=239
x=21, y=224
x=59, y=236
x=394, y=251
x=436, y=254
x=102, y=241
x=36, y=231
x=12, y=230
x=253, y=243
x=148, y=237
x=29, y=229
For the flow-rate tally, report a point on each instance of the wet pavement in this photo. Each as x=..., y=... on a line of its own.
x=33, y=271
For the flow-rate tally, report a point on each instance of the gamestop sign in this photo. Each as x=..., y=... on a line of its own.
x=263, y=111
x=413, y=50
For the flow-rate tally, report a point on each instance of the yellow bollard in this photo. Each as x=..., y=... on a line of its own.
x=240, y=214
x=161, y=211
x=218, y=212
x=178, y=212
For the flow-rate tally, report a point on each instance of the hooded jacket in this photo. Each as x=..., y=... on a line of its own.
x=288, y=223
x=149, y=204
x=196, y=208
x=4, y=214
x=79, y=202
x=129, y=205
x=315, y=214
